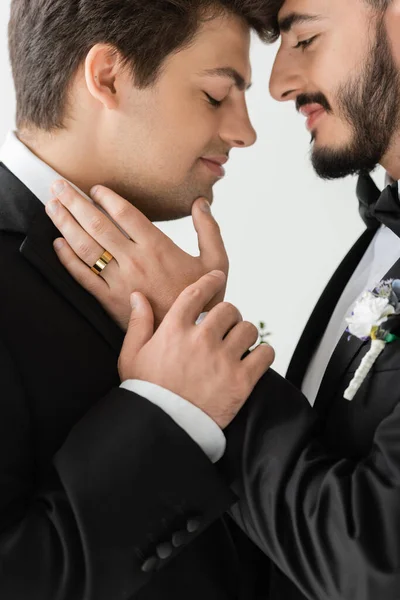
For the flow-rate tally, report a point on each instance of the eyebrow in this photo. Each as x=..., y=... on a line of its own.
x=230, y=73
x=286, y=23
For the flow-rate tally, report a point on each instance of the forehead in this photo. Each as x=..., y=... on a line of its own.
x=323, y=8
x=220, y=42
x=346, y=16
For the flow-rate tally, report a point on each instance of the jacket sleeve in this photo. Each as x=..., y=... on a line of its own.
x=125, y=480
x=332, y=526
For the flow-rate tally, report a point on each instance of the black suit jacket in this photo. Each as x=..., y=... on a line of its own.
x=320, y=487
x=102, y=495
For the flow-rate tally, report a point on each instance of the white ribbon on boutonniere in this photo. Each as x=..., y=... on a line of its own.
x=376, y=317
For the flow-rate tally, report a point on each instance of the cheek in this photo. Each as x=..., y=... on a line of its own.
x=320, y=76
x=169, y=160
x=178, y=148
x=330, y=67
x=189, y=124
x=167, y=140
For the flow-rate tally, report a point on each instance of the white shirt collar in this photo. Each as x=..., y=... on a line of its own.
x=35, y=174
x=389, y=181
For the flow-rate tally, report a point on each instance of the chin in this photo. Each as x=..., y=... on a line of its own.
x=209, y=196
x=329, y=140
x=173, y=214
x=180, y=211
x=175, y=204
x=333, y=135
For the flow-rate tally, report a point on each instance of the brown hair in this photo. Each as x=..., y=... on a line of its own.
x=49, y=39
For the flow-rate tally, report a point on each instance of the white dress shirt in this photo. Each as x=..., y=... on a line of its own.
x=38, y=177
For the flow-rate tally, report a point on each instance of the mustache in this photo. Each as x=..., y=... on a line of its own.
x=317, y=98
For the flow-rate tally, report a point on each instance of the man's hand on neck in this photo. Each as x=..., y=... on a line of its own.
x=146, y=261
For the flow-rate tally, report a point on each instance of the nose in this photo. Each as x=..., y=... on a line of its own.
x=237, y=129
x=287, y=81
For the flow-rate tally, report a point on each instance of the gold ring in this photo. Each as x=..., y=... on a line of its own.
x=101, y=264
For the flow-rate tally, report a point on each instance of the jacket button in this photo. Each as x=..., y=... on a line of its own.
x=150, y=564
x=164, y=550
x=180, y=538
x=193, y=525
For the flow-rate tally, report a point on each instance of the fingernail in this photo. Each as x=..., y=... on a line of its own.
x=58, y=244
x=206, y=207
x=134, y=301
x=94, y=191
x=52, y=206
x=58, y=187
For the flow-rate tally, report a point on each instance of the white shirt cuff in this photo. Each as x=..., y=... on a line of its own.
x=197, y=424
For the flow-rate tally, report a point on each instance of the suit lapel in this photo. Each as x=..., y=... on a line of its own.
x=22, y=212
x=322, y=313
x=344, y=354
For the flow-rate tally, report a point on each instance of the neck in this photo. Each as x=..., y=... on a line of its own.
x=76, y=157
x=391, y=161
x=73, y=157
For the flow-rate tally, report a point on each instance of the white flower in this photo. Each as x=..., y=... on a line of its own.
x=369, y=311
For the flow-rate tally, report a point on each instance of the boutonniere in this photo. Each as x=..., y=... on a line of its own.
x=376, y=317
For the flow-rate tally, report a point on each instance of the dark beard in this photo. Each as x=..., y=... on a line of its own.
x=371, y=104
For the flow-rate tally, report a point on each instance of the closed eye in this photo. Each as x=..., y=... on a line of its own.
x=306, y=43
x=213, y=101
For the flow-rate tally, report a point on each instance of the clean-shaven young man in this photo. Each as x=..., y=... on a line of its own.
x=103, y=493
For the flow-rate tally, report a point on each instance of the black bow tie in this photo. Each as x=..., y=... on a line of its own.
x=378, y=207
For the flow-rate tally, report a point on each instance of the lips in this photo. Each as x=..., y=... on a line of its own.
x=313, y=112
x=214, y=163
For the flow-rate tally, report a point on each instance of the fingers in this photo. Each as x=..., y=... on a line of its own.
x=194, y=298
x=134, y=222
x=258, y=362
x=241, y=338
x=211, y=244
x=140, y=330
x=94, y=284
x=84, y=246
x=221, y=319
x=97, y=225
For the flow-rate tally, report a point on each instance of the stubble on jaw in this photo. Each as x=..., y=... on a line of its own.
x=173, y=204
x=370, y=104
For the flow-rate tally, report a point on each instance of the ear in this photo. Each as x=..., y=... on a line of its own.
x=102, y=67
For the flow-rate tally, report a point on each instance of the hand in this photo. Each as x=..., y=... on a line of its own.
x=149, y=262
x=201, y=363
